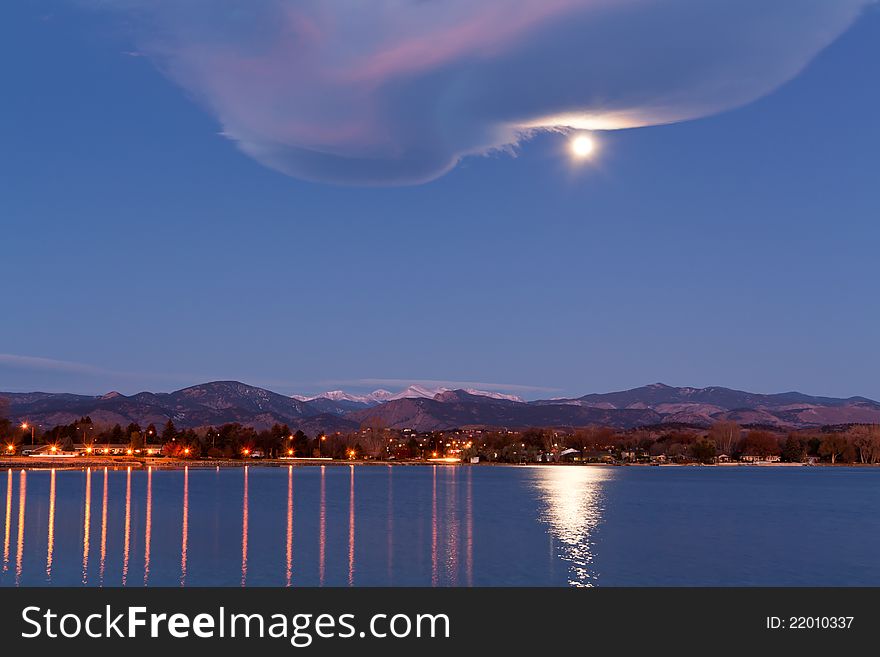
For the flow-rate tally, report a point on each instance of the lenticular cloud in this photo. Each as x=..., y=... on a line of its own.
x=384, y=92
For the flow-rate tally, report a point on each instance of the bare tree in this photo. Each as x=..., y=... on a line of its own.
x=591, y=438
x=832, y=446
x=866, y=440
x=760, y=443
x=375, y=439
x=725, y=435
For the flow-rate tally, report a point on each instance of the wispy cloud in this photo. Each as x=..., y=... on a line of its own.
x=49, y=365
x=103, y=378
x=93, y=374
x=398, y=91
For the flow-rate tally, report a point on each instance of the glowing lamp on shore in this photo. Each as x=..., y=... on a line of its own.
x=129, y=452
x=186, y=451
x=88, y=450
x=53, y=449
x=10, y=448
x=106, y=451
x=246, y=451
x=290, y=452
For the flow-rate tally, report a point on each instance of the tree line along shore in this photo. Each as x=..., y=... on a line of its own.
x=720, y=443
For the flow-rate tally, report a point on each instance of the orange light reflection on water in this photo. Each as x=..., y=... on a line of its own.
x=8, y=520
x=87, y=526
x=148, y=526
x=126, y=547
x=351, y=528
x=50, y=541
x=184, y=538
x=22, y=502
x=103, y=531
x=289, y=553
x=244, y=530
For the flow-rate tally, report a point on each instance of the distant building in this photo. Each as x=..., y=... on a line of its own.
x=753, y=458
x=598, y=456
x=95, y=449
x=570, y=455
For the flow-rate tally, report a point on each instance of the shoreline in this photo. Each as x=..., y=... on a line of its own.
x=118, y=463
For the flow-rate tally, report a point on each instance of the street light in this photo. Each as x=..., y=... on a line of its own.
x=25, y=426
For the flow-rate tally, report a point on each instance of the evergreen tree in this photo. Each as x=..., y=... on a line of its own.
x=169, y=433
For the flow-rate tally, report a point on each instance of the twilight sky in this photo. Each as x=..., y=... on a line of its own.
x=326, y=197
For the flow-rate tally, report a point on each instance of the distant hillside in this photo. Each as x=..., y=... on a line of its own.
x=458, y=408
x=707, y=405
x=220, y=402
x=202, y=405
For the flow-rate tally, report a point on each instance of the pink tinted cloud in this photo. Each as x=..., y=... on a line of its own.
x=398, y=91
x=487, y=27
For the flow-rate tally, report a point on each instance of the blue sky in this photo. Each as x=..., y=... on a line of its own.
x=144, y=250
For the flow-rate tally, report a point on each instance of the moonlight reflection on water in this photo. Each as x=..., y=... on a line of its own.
x=573, y=508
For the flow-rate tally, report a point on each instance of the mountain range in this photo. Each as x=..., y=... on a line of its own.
x=425, y=409
x=412, y=392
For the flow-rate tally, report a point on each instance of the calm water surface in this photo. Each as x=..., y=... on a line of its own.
x=441, y=526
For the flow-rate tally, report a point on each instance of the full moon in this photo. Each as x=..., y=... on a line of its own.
x=582, y=146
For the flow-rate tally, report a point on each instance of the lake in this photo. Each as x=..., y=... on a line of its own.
x=441, y=526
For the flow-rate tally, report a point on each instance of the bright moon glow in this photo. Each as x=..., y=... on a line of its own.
x=582, y=146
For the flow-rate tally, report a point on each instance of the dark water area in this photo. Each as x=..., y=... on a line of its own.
x=441, y=526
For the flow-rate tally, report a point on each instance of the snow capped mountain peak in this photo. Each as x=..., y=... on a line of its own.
x=341, y=395
x=335, y=395
x=418, y=392
x=375, y=397
x=493, y=395
x=380, y=395
x=414, y=391
x=422, y=392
